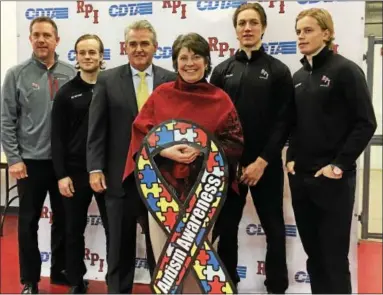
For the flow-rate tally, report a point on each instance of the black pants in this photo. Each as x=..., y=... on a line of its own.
x=76, y=209
x=323, y=211
x=267, y=196
x=123, y=215
x=226, y=228
x=33, y=191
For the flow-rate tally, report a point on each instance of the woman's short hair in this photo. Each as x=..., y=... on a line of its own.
x=195, y=43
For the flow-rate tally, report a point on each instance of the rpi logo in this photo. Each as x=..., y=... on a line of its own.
x=257, y=230
x=221, y=47
x=261, y=268
x=174, y=5
x=46, y=213
x=54, y=13
x=94, y=259
x=302, y=277
x=88, y=10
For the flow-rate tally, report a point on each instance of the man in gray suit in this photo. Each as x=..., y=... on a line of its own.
x=119, y=94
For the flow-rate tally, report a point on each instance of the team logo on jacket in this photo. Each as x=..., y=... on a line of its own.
x=264, y=74
x=325, y=81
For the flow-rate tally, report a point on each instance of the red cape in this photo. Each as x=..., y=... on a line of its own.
x=201, y=103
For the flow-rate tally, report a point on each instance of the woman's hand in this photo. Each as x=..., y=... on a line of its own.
x=181, y=153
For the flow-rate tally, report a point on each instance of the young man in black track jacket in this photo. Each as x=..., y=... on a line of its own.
x=261, y=88
x=69, y=136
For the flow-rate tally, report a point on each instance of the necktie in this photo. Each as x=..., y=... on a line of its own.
x=142, y=91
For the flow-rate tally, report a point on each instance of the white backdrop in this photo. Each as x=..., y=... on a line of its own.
x=212, y=19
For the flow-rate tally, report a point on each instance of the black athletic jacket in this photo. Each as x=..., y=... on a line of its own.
x=70, y=115
x=334, y=118
x=261, y=88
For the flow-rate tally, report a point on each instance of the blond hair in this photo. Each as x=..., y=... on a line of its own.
x=324, y=19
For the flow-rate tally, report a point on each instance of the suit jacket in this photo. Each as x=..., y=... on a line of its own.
x=111, y=114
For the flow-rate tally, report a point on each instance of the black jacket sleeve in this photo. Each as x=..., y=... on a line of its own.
x=97, y=130
x=284, y=92
x=59, y=133
x=216, y=78
x=363, y=125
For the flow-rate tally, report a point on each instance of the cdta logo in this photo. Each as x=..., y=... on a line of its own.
x=242, y=271
x=56, y=12
x=302, y=277
x=257, y=230
x=72, y=57
x=213, y=5
x=313, y=1
x=280, y=47
x=140, y=8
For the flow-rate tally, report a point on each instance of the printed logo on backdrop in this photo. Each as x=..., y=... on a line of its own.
x=88, y=10
x=302, y=277
x=314, y=1
x=261, y=268
x=242, y=271
x=163, y=52
x=176, y=6
x=142, y=263
x=72, y=54
x=54, y=13
x=94, y=220
x=223, y=48
x=46, y=213
x=280, y=47
x=131, y=9
x=95, y=259
x=257, y=230
x=208, y=5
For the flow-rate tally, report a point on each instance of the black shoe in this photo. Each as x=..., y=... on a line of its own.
x=30, y=289
x=59, y=279
x=79, y=289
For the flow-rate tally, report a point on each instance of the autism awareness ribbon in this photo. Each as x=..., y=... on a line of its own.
x=188, y=223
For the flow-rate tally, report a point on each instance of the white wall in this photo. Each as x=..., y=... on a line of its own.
x=9, y=58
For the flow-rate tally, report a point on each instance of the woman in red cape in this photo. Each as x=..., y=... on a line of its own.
x=191, y=98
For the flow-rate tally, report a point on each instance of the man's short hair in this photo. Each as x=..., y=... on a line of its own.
x=141, y=25
x=43, y=19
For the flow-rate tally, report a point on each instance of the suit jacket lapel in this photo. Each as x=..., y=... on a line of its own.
x=127, y=88
x=158, y=77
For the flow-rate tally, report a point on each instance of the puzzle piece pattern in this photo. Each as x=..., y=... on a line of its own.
x=172, y=214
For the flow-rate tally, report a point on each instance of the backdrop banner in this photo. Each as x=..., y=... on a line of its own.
x=213, y=20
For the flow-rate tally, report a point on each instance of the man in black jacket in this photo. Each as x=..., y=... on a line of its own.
x=70, y=115
x=118, y=96
x=261, y=88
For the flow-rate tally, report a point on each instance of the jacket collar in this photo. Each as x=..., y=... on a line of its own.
x=318, y=60
x=42, y=65
x=241, y=55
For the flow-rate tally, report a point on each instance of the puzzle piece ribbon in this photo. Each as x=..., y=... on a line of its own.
x=186, y=224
